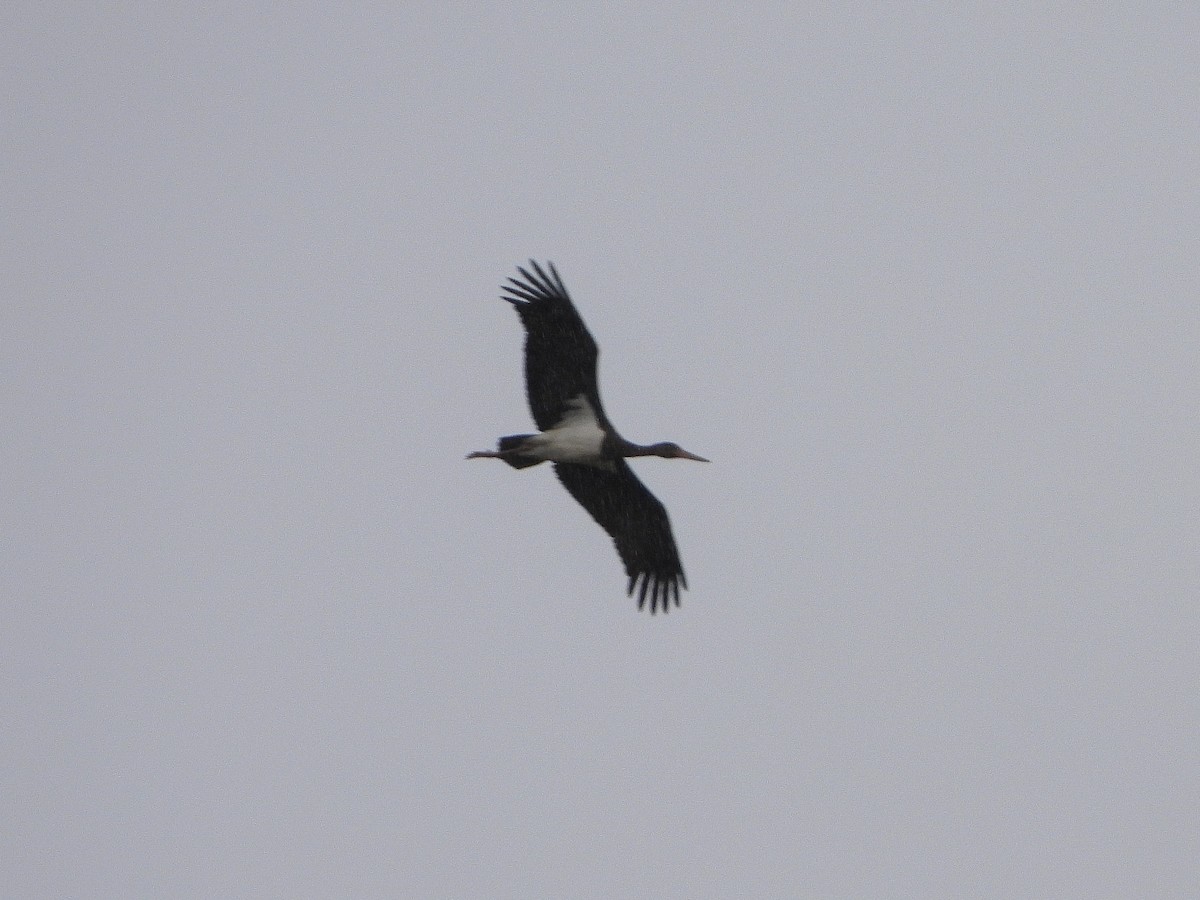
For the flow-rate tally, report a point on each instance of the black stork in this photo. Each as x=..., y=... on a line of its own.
x=587, y=452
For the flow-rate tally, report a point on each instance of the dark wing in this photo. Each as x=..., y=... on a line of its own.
x=638, y=523
x=560, y=355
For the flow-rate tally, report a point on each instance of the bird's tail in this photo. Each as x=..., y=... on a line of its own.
x=511, y=445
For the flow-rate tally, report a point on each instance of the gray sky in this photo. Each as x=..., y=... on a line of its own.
x=921, y=283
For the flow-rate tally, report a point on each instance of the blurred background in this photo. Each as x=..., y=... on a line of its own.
x=921, y=282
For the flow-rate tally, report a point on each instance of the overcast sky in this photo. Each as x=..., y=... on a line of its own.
x=922, y=282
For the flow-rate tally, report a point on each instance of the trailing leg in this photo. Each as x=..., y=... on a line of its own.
x=510, y=451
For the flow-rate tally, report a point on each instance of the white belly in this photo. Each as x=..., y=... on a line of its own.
x=577, y=438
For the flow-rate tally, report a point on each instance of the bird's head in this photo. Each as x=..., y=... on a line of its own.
x=671, y=450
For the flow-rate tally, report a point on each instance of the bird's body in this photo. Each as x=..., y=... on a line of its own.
x=576, y=438
x=575, y=435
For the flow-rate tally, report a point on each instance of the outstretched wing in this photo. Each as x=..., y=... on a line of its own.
x=560, y=354
x=638, y=524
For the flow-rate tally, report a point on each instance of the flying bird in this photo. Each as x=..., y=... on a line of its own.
x=576, y=436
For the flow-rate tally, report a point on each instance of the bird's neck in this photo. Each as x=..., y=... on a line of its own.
x=628, y=448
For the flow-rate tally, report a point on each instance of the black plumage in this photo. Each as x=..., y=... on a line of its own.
x=587, y=452
x=638, y=524
x=560, y=353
